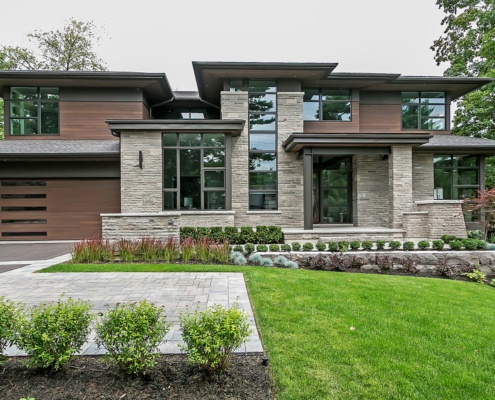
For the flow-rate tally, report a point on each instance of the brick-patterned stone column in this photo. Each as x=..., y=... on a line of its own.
x=400, y=184
x=141, y=189
x=422, y=178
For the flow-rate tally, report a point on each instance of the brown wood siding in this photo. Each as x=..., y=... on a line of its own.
x=146, y=112
x=73, y=208
x=380, y=118
x=335, y=126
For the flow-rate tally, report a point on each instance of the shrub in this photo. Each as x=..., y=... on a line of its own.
x=238, y=248
x=256, y=259
x=308, y=246
x=262, y=248
x=296, y=246
x=343, y=245
x=480, y=244
x=320, y=246
x=187, y=247
x=237, y=258
x=266, y=262
x=470, y=244
x=274, y=247
x=333, y=246
x=355, y=245
x=474, y=234
x=448, y=238
x=202, y=232
x=438, y=244
x=476, y=275
x=380, y=244
x=9, y=315
x=247, y=235
x=171, y=250
x=292, y=265
x=285, y=247
x=93, y=250
x=384, y=262
x=281, y=261
x=131, y=334
x=275, y=234
x=262, y=235
x=408, y=246
x=408, y=264
x=52, y=333
x=367, y=245
x=211, y=336
x=319, y=262
x=188, y=232
x=217, y=234
x=423, y=244
x=343, y=263
x=492, y=283
x=394, y=245
x=249, y=248
x=232, y=234
x=455, y=245
x=126, y=249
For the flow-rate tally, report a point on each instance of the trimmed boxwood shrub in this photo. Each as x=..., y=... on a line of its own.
x=188, y=232
x=367, y=245
x=238, y=248
x=423, y=245
x=274, y=247
x=343, y=245
x=408, y=246
x=275, y=234
x=355, y=245
x=202, y=232
x=308, y=246
x=247, y=235
x=261, y=248
x=216, y=233
x=232, y=234
x=262, y=235
x=380, y=244
x=285, y=247
x=296, y=246
x=438, y=244
x=455, y=244
x=249, y=248
x=394, y=245
x=320, y=246
x=448, y=238
x=480, y=244
x=470, y=244
x=333, y=246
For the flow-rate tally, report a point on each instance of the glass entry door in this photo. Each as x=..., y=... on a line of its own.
x=332, y=190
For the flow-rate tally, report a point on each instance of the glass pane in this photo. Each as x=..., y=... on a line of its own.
x=466, y=177
x=464, y=193
x=410, y=117
x=24, y=93
x=198, y=114
x=336, y=111
x=260, y=122
x=184, y=115
x=466, y=161
x=24, y=109
x=433, y=124
x=433, y=97
x=190, y=139
x=169, y=139
x=170, y=200
x=170, y=168
x=263, y=162
x=189, y=162
x=262, y=86
x=442, y=161
x=262, y=102
x=311, y=111
x=214, y=200
x=49, y=117
x=214, y=179
x=311, y=94
x=214, y=139
x=410, y=97
x=49, y=94
x=190, y=188
x=23, y=126
x=334, y=178
x=236, y=85
x=442, y=179
x=262, y=141
x=263, y=180
x=433, y=111
x=336, y=94
x=262, y=201
x=214, y=158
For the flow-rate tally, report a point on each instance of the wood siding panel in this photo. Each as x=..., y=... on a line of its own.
x=73, y=208
x=380, y=118
x=335, y=126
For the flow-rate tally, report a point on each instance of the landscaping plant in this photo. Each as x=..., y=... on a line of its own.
x=131, y=334
x=320, y=246
x=285, y=247
x=262, y=248
x=308, y=246
x=274, y=248
x=455, y=245
x=438, y=244
x=476, y=275
x=343, y=245
x=249, y=248
x=380, y=244
x=333, y=246
x=355, y=245
x=296, y=246
x=52, y=333
x=423, y=245
x=238, y=258
x=211, y=336
x=394, y=245
x=408, y=246
x=367, y=245
x=9, y=315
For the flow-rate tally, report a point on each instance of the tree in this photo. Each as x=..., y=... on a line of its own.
x=468, y=46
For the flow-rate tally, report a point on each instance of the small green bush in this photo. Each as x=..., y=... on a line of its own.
x=355, y=245
x=380, y=244
x=52, y=333
x=262, y=235
x=448, y=238
x=9, y=315
x=238, y=248
x=455, y=245
x=247, y=235
x=202, y=232
x=480, y=244
x=333, y=246
x=296, y=246
x=367, y=245
x=262, y=248
x=275, y=234
x=394, y=245
x=423, y=244
x=131, y=334
x=470, y=244
x=474, y=234
x=285, y=247
x=320, y=246
x=408, y=246
x=249, y=248
x=211, y=336
x=343, y=245
x=438, y=244
x=476, y=275
x=188, y=232
x=274, y=247
x=232, y=234
x=308, y=246
x=217, y=234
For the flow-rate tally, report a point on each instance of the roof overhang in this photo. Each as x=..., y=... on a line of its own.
x=154, y=85
x=298, y=141
x=453, y=144
x=234, y=127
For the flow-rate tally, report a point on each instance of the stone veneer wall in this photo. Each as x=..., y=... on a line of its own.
x=137, y=226
x=416, y=224
x=370, y=191
x=141, y=189
x=445, y=217
x=400, y=184
x=422, y=178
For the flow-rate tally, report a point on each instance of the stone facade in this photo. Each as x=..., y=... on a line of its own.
x=137, y=226
x=416, y=224
x=400, y=184
x=422, y=177
x=445, y=217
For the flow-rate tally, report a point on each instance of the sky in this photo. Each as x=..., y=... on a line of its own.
x=389, y=36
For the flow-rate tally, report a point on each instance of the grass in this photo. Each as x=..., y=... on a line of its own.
x=413, y=338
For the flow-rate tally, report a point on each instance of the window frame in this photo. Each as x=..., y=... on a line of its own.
x=452, y=168
x=420, y=104
x=320, y=102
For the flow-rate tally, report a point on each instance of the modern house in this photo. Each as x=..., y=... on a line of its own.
x=318, y=152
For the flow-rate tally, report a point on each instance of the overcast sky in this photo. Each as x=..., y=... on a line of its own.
x=392, y=36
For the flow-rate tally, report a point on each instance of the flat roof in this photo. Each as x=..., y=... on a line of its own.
x=446, y=144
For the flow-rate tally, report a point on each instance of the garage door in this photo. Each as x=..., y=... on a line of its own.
x=55, y=209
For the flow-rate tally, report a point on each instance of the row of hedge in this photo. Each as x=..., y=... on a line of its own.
x=234, y=235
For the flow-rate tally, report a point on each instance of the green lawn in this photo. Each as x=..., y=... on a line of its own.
x=414, y=338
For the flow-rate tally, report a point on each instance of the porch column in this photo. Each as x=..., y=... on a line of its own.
x=400, y=184
x=308, y=189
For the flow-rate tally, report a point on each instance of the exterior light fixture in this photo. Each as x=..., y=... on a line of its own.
x=438, y=193
x=140, y=159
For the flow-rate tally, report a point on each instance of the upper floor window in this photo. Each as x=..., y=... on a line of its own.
x=327, y=105
x=424, y=110
x=34, y=111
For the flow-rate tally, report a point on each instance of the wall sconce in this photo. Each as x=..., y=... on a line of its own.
x=438, y=193
x=140, y=159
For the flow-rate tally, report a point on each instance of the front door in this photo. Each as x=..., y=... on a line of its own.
x=332, y=190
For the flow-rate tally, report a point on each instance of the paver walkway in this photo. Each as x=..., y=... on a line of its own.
x=175, y=291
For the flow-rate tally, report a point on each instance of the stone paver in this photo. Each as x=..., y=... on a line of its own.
x=175, y=291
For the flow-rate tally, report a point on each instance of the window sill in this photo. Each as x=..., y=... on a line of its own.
x=264, y=212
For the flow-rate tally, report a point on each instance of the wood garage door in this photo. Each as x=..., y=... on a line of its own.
x=55, y=209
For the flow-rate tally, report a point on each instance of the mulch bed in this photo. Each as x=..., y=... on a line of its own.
x=172, y=378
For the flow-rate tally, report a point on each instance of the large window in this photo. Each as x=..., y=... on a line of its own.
x=424, y=110
x=327, y=105
x=194, y=171
x=34, y=111
x=456, y=177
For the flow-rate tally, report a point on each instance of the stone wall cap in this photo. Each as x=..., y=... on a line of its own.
x=207, y=212
x=264, y=212
x=416, y=213
x=440, y=202
x=123, y=215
